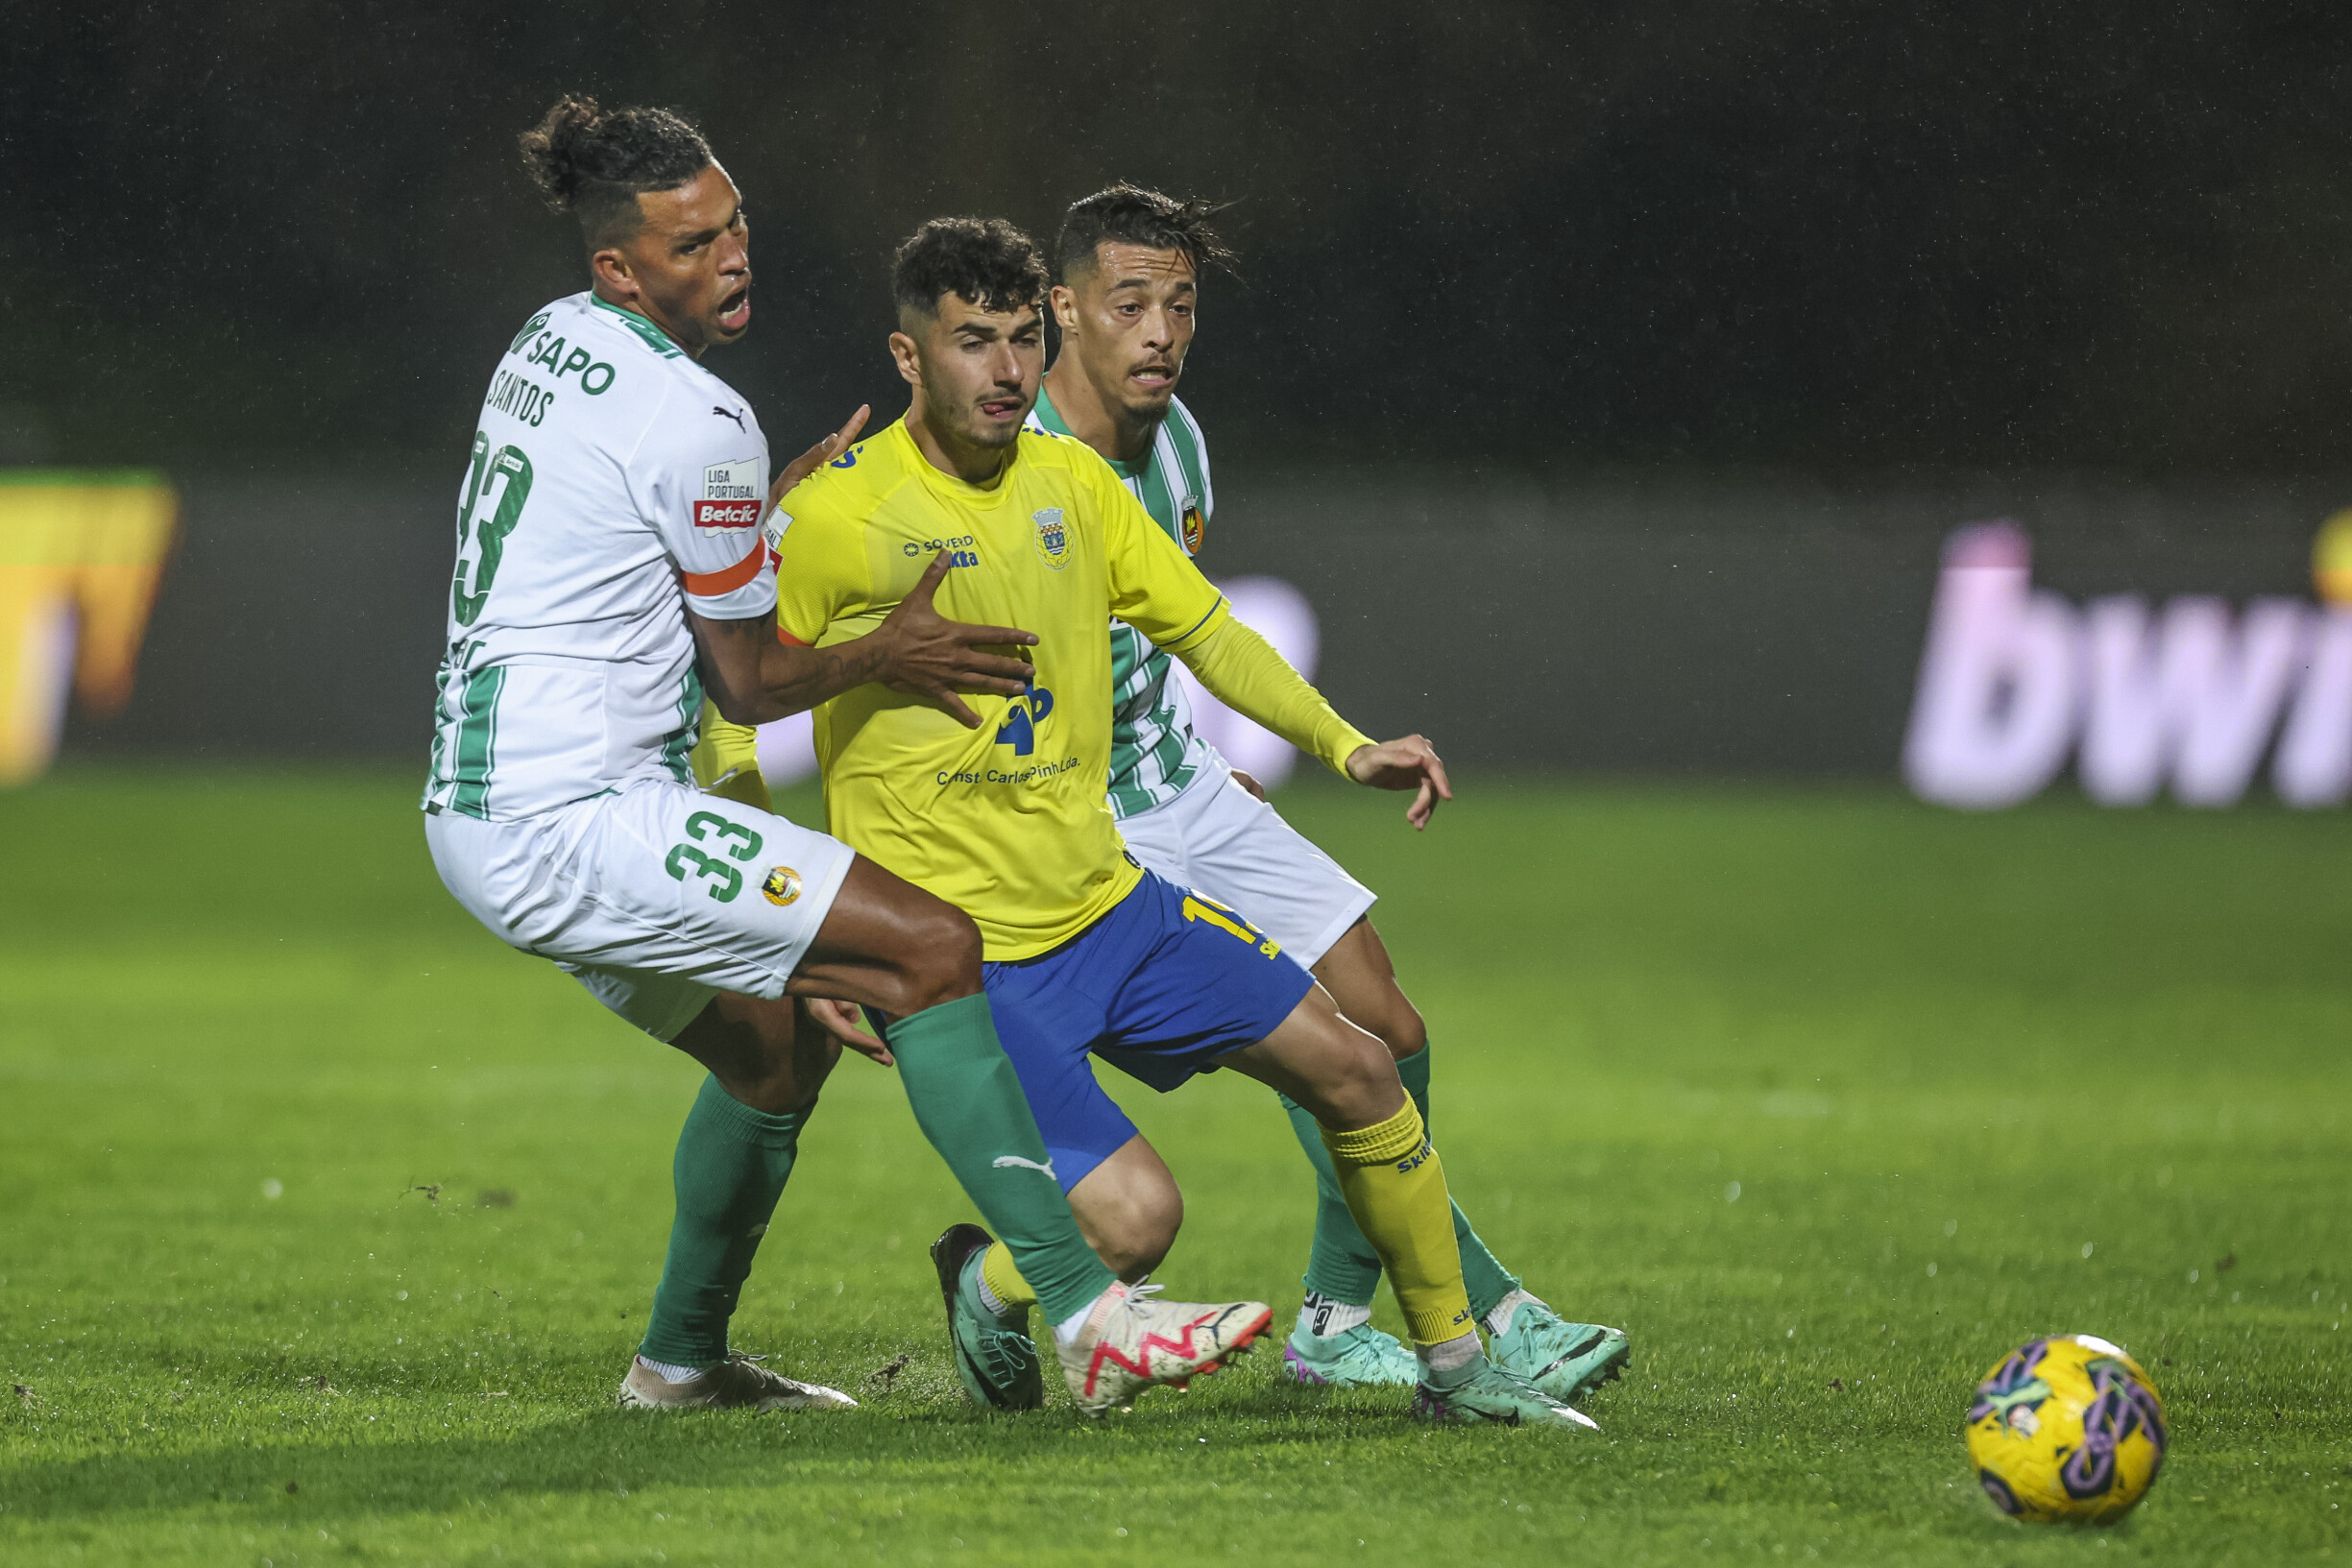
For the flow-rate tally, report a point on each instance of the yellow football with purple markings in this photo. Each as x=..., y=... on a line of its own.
x=2067, y=1430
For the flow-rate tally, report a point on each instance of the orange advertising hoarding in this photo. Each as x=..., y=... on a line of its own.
x=81, y=554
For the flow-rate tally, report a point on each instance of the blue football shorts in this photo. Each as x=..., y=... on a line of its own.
x=1160, y=987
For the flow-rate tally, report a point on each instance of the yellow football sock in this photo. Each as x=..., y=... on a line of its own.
x=1396, y=1189
x=1003, y=1280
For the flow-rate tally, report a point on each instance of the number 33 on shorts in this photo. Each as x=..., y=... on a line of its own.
x=1196, y=906
x=709, y=827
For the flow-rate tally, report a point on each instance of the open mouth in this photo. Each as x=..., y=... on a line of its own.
x=1153, y=377
x=1001, y=408
x=735, y=311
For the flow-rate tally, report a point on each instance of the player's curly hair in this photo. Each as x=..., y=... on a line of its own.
x=592, y=162
x=986, y=260
x=1136, y=215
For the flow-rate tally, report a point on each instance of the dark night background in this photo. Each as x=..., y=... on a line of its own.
x=1636, y=357
x=1823, y=237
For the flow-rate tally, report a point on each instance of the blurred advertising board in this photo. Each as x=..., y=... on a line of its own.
x=2189, y=695
x=81, y=554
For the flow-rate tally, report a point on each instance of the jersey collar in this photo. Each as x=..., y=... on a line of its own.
x=962, y=489
x=647, y=333
x=1051, y=418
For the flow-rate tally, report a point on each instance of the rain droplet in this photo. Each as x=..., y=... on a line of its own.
x=2086, y=1249
x=1731, y=1191
x=272, y=1186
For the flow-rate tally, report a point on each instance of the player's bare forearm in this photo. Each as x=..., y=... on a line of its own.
x=754, y=678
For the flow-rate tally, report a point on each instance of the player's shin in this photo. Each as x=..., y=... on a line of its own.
x=1342, y=1270
x=731, y=1167
x=1395, y=1188
x=969, y=1105
x=1483, y=1274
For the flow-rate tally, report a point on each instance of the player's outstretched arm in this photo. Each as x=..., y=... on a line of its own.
x=1242, y=670
x=753, y=677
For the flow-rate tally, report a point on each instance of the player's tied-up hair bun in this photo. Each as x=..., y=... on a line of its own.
x=594, y=162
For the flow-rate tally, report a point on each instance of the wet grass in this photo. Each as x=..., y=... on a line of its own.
x=329, y=1222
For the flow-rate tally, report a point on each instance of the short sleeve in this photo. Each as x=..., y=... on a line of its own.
x=1154, y=586
x=699, y=478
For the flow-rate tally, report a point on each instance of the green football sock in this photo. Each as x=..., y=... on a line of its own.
x=968, y=1102
x=1482, y=1272
x=1342, y=1263
x=730, y=1170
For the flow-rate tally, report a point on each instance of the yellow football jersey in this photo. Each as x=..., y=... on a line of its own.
x=1009, y=822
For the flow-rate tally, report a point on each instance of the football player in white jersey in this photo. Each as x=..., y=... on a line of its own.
x=611, y=568
x=1131, y=262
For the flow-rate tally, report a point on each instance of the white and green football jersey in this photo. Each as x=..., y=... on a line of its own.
x=613, y=482
x=1153, y=752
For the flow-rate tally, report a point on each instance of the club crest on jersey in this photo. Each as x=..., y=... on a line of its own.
x=1052, y=538
x=781, y=887
x=1194, y=526
x=730, y=495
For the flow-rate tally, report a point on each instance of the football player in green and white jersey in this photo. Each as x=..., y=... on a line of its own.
x=611, y=568
x=1131, y=262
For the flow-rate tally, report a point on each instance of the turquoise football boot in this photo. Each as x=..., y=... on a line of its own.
x=995, y=1357
x=1561, y=1359
x=1362, y=1357
x=1482, y=1392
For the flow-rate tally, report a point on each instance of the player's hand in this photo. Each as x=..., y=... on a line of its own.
x=1411, y=763
x=817, y=456
x=926, y=654
x=845, y=1021
x=1250, y=784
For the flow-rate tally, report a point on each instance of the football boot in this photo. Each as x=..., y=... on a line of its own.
x=995, y=1358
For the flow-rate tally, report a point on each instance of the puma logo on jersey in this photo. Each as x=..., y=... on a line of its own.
x=1014, y=1162
x=734, y=413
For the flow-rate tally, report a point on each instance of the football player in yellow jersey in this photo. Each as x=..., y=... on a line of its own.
x=1083, y=951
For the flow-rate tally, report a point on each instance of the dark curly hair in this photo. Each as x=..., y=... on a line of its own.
x=986, y=260
x=1134, y=215
x=592, y=161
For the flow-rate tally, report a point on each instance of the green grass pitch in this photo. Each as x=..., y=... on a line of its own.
x=327, y=1224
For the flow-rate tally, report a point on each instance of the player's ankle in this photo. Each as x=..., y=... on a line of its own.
x=673, y=1372
x=1498, y=1320
x=1449, y=1362
x=1322, y=1317
x=1067, y=1330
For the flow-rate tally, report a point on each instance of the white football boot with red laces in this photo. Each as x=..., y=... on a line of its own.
x=1132, y=1340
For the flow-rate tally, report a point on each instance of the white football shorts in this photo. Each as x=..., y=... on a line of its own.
x=1218, y=838
x=657, y=896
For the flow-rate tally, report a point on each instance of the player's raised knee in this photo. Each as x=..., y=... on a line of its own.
x=1400, y=1028
x=941, y=959
x=1356, y=1083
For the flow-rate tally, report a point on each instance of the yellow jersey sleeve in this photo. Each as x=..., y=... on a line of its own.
x=1154, y=586
x=1242, y=670
x=822, y=571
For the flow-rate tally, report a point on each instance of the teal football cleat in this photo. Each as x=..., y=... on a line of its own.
x=1484, y=1392
x=1358, y=1357
x=995, y=1357
x=1561, y=1359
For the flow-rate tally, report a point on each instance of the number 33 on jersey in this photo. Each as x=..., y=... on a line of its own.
x=609, y=469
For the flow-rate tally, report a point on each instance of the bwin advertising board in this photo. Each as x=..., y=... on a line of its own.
x=2191, y=695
